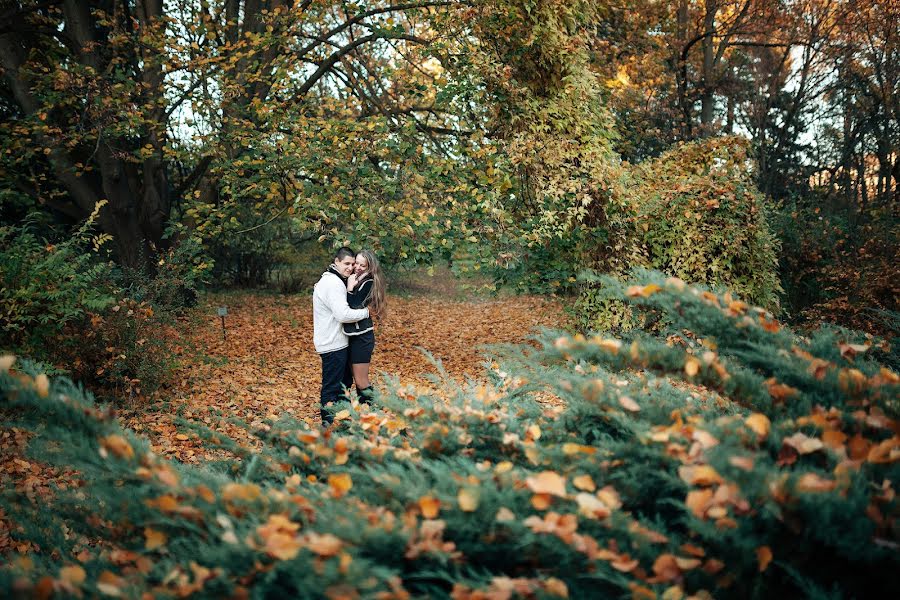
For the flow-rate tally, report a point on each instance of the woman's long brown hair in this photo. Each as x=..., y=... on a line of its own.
x=377, y=297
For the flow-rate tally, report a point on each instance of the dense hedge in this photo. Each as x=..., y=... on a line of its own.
x=736, y=460
x=694, y=213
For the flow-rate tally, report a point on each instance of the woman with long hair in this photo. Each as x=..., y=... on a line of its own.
x=365, y=289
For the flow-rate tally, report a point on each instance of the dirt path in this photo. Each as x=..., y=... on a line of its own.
x=267, y=365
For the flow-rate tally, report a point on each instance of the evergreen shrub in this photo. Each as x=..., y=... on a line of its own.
x=735, y=459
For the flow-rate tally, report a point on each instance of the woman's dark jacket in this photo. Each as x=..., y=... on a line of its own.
x=359, y=298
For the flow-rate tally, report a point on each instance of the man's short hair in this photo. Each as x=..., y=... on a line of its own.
x=343, y=252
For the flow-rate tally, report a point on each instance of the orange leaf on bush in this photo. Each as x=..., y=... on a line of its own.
x=629, y=404
x=666, y=568
x=810, y=482
x=759, y=423
x=340, y=484
x=430, y=506
x=117, y=446
x=702, y=475
x=584, y=482
x=763, y=557
x=154, y=539
x=468, y=499
x=541, y=501
x=547, y=482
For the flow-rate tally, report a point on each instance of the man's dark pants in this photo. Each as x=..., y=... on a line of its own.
x=336, y=377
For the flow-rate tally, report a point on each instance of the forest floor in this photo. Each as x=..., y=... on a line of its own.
x=266, y=364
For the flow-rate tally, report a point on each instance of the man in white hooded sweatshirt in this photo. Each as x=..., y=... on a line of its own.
x=330, y=312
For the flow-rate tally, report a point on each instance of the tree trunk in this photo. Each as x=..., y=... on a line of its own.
x=136, y=192
x=681, y=78
x=707, y=86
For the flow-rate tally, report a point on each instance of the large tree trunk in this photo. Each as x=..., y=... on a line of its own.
x=136, y=192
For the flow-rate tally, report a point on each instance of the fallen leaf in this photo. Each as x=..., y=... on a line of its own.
x=154, y=539
x=340, y=484
x=803, y=443
x=584, y=482
x=759, y=423
x=467, y=499
x=73, y=574
x=547, y=482
x=430, y=506
x=763, y=557
x=629, y=404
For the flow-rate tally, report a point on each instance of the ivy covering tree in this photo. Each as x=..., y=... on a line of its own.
x=728, y=458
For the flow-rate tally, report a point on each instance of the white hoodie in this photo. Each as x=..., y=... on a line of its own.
x=330, y=310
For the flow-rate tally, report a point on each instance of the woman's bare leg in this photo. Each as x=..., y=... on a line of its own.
x=361, y=375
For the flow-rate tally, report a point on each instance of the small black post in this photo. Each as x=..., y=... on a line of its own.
x=222, y=312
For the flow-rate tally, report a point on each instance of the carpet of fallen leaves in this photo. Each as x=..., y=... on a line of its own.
x=266, y=366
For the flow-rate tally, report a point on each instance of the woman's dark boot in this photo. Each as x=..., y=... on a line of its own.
x=366, y=394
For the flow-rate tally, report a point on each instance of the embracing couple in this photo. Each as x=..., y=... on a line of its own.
x=346, y=298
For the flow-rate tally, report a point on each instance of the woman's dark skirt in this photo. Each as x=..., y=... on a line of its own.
x=361, y=348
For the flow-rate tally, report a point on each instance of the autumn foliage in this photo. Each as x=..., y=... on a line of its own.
x=731, y=458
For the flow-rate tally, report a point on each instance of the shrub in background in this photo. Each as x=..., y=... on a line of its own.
x=64, y=305
x=697, y=215
x=737, y=460
x=46, y=287
x=840, y=264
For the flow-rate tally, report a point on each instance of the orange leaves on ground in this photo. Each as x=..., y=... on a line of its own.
x=110, y=584
x=811, y=482
x=803, y=444
x=887, y=451
x=584, y=482
x=279, y=537
x=42, y=385
x=73, y=575
x=562, y=526
x=702, y=475
x=324, y=545
x=428, y=539
x=569, y=449
x=245, y=492
x=779, y=391
x=591, y=506
x=769, y=324
x=6, y=362
x=691, y=366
